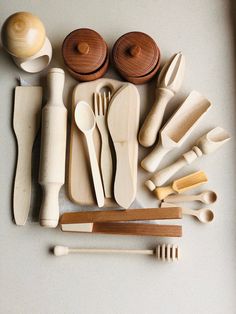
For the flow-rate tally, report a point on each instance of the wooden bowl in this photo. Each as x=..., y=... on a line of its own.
x=85, y=54
x=136, y=57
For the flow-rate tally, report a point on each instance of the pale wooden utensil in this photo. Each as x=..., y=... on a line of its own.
x=100, y=110
x=180, y=185
x=118, y=119
x=53, y=148
x=164, y=252
x=206, y=197
x=206, y=144
x=126, y=228
x=26, y=120
x=120, y=215
x=79, y=181
x=169, y=82
x=85, y=121
x=204, y=215
x=177, y=129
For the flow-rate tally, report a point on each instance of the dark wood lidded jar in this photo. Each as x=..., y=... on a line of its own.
x=136, y=56
x=85, y=54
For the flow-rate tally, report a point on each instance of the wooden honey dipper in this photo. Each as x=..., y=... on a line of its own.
x=164, y=252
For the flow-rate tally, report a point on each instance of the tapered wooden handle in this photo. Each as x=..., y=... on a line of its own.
x=138, y=229
x=152, y=123
x=120, y=215
x=97, y=181
x=151, y=162
x=163, y=192
x=106, y=166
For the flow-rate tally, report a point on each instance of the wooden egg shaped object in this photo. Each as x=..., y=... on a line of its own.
x=85, y=54
x=136, y=57
x=23, y=34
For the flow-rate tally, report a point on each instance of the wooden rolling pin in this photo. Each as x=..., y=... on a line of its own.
x=120, y=215
x=126, y=228
x=53, y=149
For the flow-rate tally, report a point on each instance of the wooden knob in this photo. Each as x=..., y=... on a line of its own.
x=23, y=34
x=83, y=48
x=135, y=51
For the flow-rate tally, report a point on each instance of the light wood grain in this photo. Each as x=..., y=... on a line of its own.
x=180, y=185
x=26, y=120
x=80, y=187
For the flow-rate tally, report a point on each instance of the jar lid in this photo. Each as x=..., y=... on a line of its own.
x=135, y=54
x=84, y=51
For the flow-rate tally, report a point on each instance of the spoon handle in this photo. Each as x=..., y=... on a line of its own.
x=182, y=198
x=97, y=182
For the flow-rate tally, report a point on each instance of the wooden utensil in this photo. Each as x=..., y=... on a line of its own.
x=177, y=129
x=80, y=185
x=85, y=121
x=164, y=252
x=206, y=197
x=101, y=103
x=169, y=82
x=118, y=120
x=85, y=54
x=180, y=185
x=126, y=229
x=24, y=37
x=206, y=144
x=136, y=56
x=120, y=215
x=53, y=148
x=204, y=215
x=26, y=120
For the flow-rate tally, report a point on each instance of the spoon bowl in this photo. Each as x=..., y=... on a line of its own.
x=84, y=117
x=208, y=197
x=205, y=215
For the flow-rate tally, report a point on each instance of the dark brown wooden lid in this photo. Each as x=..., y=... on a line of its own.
x=84, y=51
x=135, y=54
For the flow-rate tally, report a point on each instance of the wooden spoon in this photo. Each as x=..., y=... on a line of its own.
x=85, y=121
x=206, y=197
x=204, y=215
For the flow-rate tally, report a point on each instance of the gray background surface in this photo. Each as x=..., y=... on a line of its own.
x=204, y=281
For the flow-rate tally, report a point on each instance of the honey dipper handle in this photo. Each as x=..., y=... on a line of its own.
x=151, y=126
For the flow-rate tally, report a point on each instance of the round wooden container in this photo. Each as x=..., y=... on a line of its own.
x=85, y=54
x=136, y=56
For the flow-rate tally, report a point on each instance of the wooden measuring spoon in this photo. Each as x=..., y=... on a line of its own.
x=204, y=215
x=206, y=197
x=85, y=121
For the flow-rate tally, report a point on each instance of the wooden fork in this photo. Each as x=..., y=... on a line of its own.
x=101, y=102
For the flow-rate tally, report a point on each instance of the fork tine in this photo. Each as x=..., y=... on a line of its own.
x=100, y=111
x=95, y=104
x=105, y=102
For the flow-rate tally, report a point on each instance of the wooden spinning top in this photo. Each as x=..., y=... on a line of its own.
x=85, y=54
x=136, y=57
x=23, y=34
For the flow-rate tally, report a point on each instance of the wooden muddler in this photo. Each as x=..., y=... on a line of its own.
x=53, y=149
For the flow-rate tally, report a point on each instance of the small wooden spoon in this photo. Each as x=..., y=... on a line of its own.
x=85, y=121
x=206, y=197
x=204, y=215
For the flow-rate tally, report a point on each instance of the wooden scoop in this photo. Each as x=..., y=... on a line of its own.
x=183, y=184
x=177, y=129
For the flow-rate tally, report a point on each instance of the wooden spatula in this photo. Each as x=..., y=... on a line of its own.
x=27, y=105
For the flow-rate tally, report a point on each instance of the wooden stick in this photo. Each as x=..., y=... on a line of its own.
x=121, y=215
x=126, y=229
x=165, y=252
